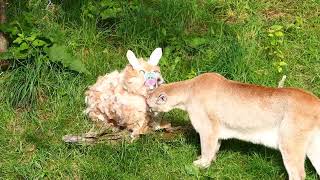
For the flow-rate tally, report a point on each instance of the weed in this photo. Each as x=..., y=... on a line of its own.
x=32, y=52
x=276, y=38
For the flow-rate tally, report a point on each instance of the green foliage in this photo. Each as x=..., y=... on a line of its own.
x=228, y=37
x=104, y=9
x=148, y=23
x=276, y=38
x=29, y=44
x=33, y=48
x=25, y=47
x=23, y=87
x=197, y=42
x=58, y=53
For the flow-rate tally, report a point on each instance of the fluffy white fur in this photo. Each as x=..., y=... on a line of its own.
x=118, y=99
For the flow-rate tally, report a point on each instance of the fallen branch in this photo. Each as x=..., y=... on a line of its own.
x=95, y=135
x=4, y=64
x=102, y=134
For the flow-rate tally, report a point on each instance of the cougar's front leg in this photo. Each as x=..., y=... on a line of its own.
x=207, y=130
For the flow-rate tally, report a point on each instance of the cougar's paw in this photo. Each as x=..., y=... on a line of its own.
x=202, y=163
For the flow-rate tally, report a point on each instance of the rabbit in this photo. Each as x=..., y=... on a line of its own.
x=118, y=99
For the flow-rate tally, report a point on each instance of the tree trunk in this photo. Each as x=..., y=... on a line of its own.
x=3, y=41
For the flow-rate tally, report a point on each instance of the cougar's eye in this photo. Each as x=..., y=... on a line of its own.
x=162, y=98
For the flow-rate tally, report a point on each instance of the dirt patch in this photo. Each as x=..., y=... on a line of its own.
x=272, y=14
x=234, y=17
x=4, y=65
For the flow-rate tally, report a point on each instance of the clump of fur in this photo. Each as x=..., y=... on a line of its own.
x=109, y=102
x=118, y=99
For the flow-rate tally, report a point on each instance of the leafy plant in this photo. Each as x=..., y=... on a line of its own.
x=36, y=46
x=59, y=53
x=276, y=38
x=27, y=46
x=104, y=9
x=192, y=74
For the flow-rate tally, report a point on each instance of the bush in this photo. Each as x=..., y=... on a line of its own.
x=37, y=45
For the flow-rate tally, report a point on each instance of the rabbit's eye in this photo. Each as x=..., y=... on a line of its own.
x=142, y=71
x=150, y=75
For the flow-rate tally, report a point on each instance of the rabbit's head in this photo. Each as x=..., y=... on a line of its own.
x=140, y=75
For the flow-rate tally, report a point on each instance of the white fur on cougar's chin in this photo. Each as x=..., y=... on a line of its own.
x=155, y=113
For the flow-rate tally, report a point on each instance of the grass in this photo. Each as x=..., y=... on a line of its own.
x=228, y=37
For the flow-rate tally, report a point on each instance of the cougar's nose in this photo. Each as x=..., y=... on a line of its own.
x=147, y=97
x=148, y=101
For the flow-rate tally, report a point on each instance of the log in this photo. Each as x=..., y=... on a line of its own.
x=4, y=64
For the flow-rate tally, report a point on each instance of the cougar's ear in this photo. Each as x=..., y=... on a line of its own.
x=155, y=57
x=133, y=60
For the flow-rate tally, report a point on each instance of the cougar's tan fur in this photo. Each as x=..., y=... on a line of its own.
x=287, y=119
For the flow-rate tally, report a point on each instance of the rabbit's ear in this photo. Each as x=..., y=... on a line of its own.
x=133, y=60
x=155, y=57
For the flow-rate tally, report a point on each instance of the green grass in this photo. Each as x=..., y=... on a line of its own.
x=224, y=36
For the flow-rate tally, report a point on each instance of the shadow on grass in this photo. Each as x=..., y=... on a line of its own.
x=244, y=148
